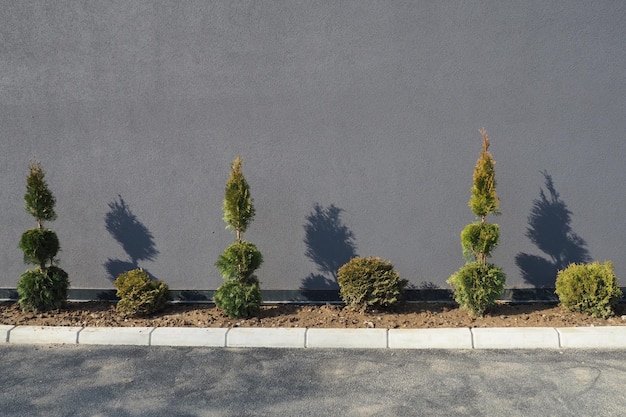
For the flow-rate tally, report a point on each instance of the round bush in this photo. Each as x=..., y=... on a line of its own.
x=479, y=239
x=239, y=260
x=40, y=246
x=477, y=286
x=42, y=290
x=138, y=294
x=239, y=299
x=369, y=282
x=588, y=288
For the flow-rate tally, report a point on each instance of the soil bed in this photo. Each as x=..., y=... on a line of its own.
x=410, y=315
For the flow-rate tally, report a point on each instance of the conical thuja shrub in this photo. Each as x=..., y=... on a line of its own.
x=478, y=284
x=45, y=287
x=240, y=295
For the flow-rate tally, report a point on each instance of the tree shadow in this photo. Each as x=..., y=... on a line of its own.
x=329, y=245
x=134, y=236
x=549, y=228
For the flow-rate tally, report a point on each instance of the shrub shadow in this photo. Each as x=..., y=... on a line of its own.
x=549, y=228
x=134, y=237
x=329, y=245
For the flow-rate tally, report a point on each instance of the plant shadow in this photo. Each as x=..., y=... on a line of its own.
x=549, y=228
x=329, y=245
x=134, y=237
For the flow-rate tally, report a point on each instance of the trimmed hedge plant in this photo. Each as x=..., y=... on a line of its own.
x=45, y=287
x=139, y=295
x=478, y=284
x=240, y=295
x=589, y=288
x=370, y=282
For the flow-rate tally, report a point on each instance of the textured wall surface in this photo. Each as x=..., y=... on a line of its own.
x=357, y=121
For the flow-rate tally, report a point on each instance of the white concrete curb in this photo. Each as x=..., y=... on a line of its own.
x=613, y=337
x=44, y=334
x=346, y=338
x=460, y=338
x=515, y=338
x=609, y=337
x=115, y=336
x=284, y=337
x=189, y=336
x=5, y=329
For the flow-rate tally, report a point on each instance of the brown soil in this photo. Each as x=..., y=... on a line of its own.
x=325, y=316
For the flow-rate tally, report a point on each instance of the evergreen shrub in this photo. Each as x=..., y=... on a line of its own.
x=40, y=246
x=477, y=286
x=370, y=282
x=239, y=299
x=240, y=295
x=239, y=260
x=42, y=290
x=138, y=294
x=44, y=287
x=589, y=288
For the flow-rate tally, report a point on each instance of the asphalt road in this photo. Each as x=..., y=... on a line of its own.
x=151, y=381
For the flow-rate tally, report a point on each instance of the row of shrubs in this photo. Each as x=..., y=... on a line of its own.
x=364, y=282
x=374, y=283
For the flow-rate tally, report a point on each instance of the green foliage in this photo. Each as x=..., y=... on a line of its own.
x=478, y=240
x=588, y=288
x=239, y=299
x=239, y=260
x=238, y=208
x=484, y=199
x=40, y=246
x=38, y=199
x=240, y=295
x=477, y=286
x=370, y=282
x=138, y=294
x=45, y=287
x=42, y=290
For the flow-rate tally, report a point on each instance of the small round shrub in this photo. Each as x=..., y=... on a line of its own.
x=239, y=260
x=138, y=294
x=477, y=286
x=479, y=239
x=588, y=288
x=369, y=282
x=239, y=299
x=42, y=290
x=40, y=246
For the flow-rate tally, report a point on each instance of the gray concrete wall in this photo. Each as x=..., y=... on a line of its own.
x=367, y=110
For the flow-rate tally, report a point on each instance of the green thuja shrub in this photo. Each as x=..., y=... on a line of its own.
x=369, y=282
x=40, y=246
x=138, y=294
x=588, y=288
x=44, y=287
x=238, y=205
x=479, y=240
x=39, y=201
x=42, y=290
x=478, y=284
x=239, y=261
x=239, y=299
x=240, y=295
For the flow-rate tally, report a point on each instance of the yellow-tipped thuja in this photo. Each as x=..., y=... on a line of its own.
x=240, y=295
x=478, y=284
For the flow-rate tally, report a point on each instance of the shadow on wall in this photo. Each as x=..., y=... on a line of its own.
x=329, y=244
x=549, y=228
x=134, y=236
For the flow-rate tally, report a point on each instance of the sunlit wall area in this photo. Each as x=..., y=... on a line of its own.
x=357, y=122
